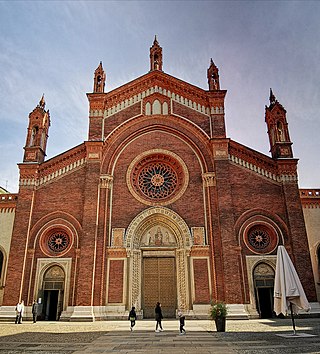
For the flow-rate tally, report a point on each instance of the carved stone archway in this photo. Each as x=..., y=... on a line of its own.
x=137, y=247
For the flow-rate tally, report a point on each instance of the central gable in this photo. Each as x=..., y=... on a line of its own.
x=156, y=94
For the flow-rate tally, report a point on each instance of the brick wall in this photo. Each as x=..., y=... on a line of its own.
x=201, y=281
x=115, y=289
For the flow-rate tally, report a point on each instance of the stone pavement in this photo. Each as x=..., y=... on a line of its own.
x=243, y=337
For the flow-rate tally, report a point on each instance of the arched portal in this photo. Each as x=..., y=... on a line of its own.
x=263, y=275
x=158, y=245
x=52, y=293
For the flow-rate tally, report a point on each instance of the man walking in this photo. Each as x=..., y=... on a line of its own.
x=34, y=311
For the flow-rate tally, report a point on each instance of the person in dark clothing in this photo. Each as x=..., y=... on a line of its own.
x=132, y=318
x=34, y=311
x=159, y=317
x=181, y=321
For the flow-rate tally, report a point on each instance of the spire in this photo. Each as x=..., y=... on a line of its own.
x=278, y=131
x=213, y=77
x=155, y=56
x=42, y=102
x=272, y=97
x=99, y=79
x=155, y=40
x=37, y=134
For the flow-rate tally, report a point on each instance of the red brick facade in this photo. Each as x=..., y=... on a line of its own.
x=227, y=207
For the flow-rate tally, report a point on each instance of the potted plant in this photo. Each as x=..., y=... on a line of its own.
x=218, y=313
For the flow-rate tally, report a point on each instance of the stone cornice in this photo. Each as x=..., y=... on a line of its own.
x=280, y=170
x=310, y=198
x=116, y=252
x=40, y=174
x=8, y=202
x=200, y=251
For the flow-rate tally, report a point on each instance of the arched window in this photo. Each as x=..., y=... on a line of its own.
x=263, y=275
x=33, y=135
x=54, y=278
x=280, y=131
x=43, y=139
x=156, y=107
x=165, y=108
x=148, y=109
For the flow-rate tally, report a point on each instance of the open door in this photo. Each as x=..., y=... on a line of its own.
x=51, y=294
x=263, y=275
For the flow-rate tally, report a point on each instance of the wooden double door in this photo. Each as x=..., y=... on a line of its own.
x=159, y=285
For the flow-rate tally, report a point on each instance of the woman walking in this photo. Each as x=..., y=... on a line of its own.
x=159, y=317
x=132, y=318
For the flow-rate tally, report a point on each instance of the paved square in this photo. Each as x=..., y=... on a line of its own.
x=243, y=337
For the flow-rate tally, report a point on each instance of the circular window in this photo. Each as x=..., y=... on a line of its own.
x=55, y=243
x=261, y=239
x=157, y=178
x=58, y=241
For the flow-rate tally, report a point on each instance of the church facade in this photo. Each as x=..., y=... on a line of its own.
x=158, y=204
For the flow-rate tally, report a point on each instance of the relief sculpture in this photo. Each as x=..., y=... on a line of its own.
x=158, y=236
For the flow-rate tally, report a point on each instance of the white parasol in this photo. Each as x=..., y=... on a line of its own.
x=288, y=290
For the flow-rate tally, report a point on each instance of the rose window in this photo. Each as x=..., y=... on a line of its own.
x=55, y=242
x=58, y=241
x=259, y=239
x=157, y=178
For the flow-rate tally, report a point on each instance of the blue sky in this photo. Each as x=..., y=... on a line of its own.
x=53, y=47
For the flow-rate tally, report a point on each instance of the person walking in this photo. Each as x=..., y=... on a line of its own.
x=34, y=311
x=18, y=313
x=182, y=322
x=22, y=311
x=132, y=317
x=159, y=317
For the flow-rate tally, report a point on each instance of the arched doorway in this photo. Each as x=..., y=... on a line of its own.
x=52, y=294
x=263, y=275
x=158, y=246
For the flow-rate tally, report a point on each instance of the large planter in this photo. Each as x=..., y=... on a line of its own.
x=220, y=324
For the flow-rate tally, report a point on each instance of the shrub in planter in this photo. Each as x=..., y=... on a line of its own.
x=218, y=313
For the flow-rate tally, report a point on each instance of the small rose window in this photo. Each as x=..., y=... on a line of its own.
x=261, y=239
x=55, y=243
x=58, y=241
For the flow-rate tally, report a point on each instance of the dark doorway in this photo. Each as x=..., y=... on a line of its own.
x=51, y=295
x=50, y=305
x=263, y=275
x=265, y=302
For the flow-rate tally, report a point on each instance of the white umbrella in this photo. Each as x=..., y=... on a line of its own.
x=288, y=290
